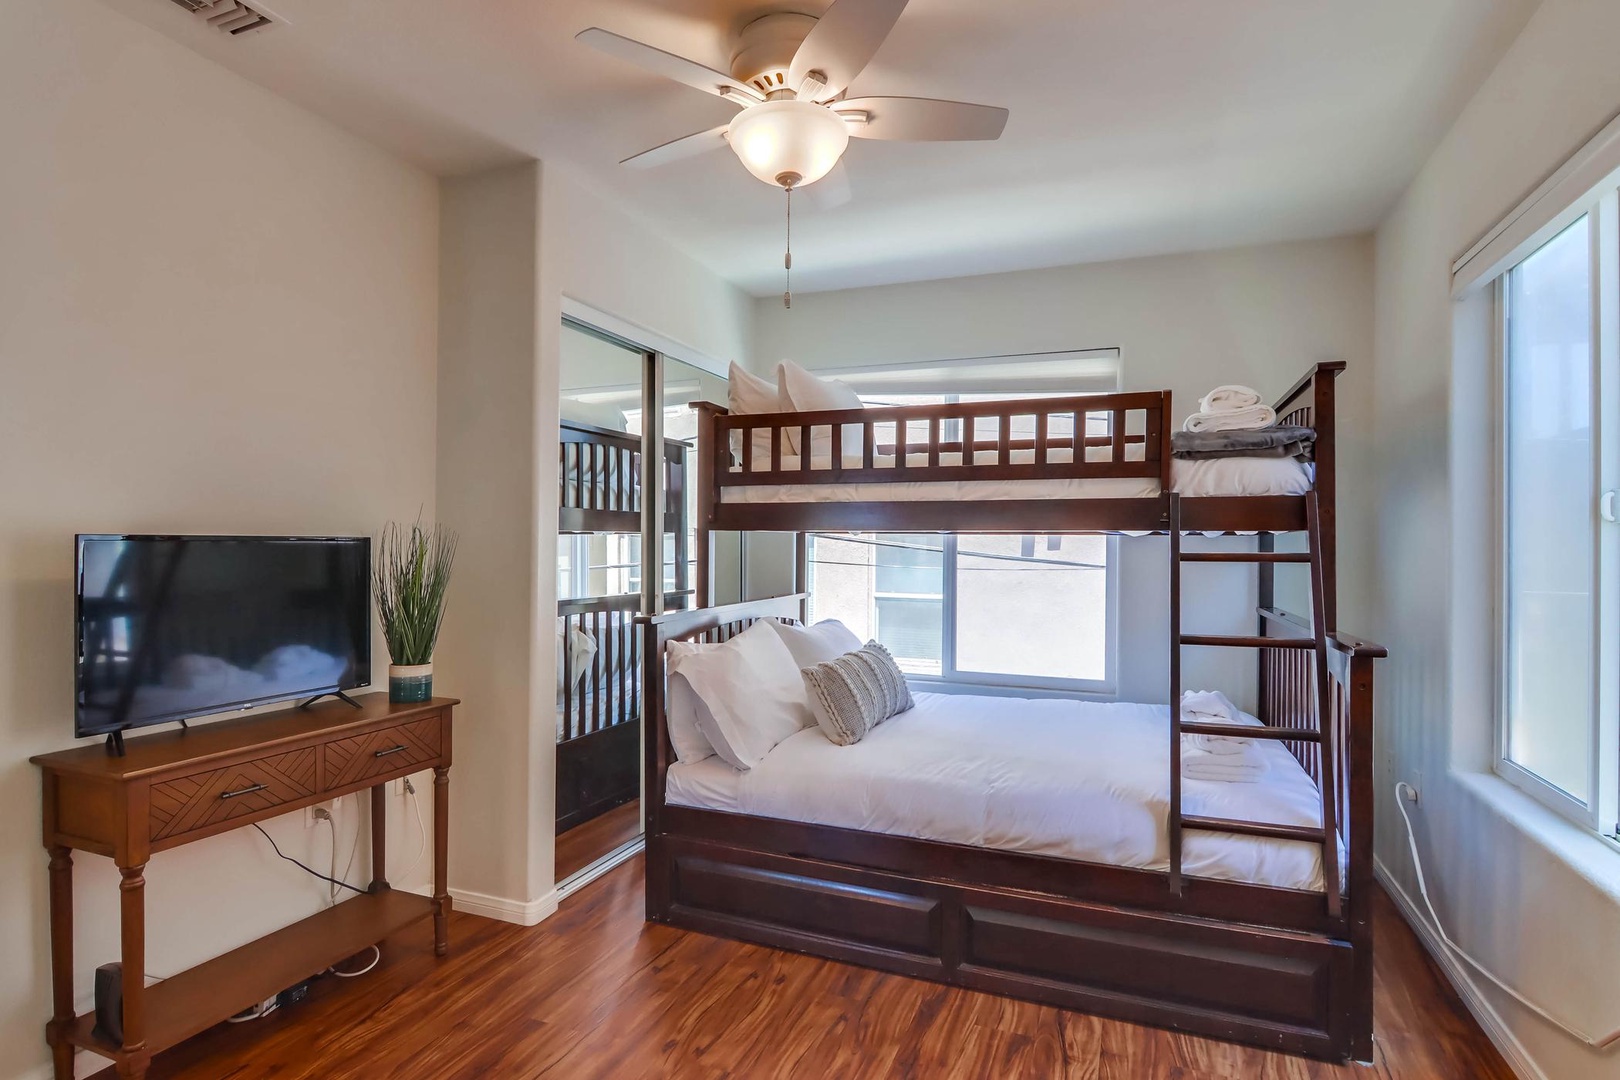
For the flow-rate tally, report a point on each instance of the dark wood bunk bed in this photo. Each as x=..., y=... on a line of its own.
x=598, y=716
x=1280, y=968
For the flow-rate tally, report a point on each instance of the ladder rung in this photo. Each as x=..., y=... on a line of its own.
x=1238, y=642
x=1246, y=556
x=1254, y=828
x=1249, y=731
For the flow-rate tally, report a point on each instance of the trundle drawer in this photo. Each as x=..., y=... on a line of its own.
x=206, y=799
x=382, y=753
x=1256, y=975
x=889, y=920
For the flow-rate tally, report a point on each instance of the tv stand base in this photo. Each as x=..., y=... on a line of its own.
x=340, y=695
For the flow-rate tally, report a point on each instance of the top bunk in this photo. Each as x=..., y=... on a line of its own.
x=1089, y=463
x=599, y=479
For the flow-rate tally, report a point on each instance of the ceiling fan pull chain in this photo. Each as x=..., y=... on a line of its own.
x=787, y=257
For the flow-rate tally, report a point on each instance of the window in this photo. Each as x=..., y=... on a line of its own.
x=1557, y=717
x=1022, y=611
x=1030, y=611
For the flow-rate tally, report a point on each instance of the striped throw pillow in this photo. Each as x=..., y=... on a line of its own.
x=856, y=692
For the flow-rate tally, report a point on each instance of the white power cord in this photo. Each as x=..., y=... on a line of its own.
x=262, y=1012
x=376, y=958
x=1401, y=786
x=421, y=829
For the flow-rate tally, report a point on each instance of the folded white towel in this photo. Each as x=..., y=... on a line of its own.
x=1229, y=398
x=1224, y=768
x=1249, y=419
x=1209, y=705
x=1214, y=707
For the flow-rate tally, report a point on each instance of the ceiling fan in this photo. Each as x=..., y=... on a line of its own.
x=789, y=73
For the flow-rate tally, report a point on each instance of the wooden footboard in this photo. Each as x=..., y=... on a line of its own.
x=1267, y=966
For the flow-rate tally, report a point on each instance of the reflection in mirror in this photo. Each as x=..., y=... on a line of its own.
x=599, y=578
x=684, y=384
x=598, y=689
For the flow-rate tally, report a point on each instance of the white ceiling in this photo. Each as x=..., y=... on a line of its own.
x=1138, y=127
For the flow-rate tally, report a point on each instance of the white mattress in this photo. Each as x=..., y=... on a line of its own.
x=1088, y=781
x=1195, y=479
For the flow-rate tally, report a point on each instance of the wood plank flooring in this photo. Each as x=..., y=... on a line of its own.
x=584, y=844
x=595, y=992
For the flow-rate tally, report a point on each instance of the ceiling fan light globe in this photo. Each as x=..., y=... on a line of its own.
x=787, y=137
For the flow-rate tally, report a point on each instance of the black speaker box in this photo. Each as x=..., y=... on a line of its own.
x=110, y=1003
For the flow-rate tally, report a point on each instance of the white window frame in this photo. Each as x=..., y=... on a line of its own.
x=1602, y=813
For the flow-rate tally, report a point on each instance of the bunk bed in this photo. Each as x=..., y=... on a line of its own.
x=598, y=650
x=1280, y=963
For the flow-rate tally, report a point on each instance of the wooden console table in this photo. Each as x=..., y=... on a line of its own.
x=175, y=787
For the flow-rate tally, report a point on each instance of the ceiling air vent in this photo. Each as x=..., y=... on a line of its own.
x=230, y=16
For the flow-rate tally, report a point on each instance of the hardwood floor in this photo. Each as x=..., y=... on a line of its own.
x=596, y=992
x=584, y=844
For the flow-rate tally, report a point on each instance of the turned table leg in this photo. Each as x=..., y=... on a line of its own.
x=132, y=928
x=441, y=860
x=61, y=962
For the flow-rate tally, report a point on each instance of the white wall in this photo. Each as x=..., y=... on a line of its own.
x=516, y=243
x=1259, y=315
x=1528, y=893
x=217, y=314
x=489, y=482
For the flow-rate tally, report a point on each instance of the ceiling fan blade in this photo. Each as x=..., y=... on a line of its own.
x=842, y=42
x=684, y=147
x=667, y=64
x=920, y=119
x=831, y=191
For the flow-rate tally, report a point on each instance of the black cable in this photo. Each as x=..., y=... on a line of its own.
x=301, y=866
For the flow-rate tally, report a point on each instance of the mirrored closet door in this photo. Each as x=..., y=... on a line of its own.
x=624, y=546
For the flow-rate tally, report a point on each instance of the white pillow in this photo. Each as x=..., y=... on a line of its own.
x=801, y=391
x=750, y=695
x=811, y=645
x=575, y=650
x=746, y=395
x=681, y=705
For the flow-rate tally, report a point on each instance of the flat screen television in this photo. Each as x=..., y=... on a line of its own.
x=173, y=627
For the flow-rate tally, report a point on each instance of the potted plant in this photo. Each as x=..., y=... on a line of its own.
x=410, y=579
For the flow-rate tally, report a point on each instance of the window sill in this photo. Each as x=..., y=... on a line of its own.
x=933, y=684
x=1595, y=858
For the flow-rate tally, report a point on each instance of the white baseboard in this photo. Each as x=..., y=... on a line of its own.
x=521, y=912
x=1484, y=1012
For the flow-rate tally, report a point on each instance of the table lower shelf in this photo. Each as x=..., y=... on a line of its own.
x=197, y=999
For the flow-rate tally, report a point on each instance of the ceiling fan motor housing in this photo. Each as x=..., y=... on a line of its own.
x=765, y=48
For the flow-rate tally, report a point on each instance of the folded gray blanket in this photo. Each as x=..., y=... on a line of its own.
x=1281, y=440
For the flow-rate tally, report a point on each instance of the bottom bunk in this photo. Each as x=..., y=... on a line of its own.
x=1033, y=868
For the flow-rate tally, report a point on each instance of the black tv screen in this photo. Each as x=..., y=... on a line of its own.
x=172, y=627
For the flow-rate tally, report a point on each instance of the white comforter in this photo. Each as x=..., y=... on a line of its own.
x=1079, y=780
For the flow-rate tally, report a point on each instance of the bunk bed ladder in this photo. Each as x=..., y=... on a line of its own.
x=1326, y=752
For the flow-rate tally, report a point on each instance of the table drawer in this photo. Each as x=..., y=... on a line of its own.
x=388, y=752
x=202, y=800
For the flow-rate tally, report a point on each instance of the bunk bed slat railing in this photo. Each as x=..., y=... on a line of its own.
x=998, y=440
x=599, y=480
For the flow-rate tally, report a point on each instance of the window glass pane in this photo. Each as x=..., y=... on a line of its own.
x=1033, y=606
x=884, y=587
x=1550, y=523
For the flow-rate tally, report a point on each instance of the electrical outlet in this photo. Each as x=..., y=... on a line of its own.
x=404, y=787
x=1414, y=789
x=314, y=815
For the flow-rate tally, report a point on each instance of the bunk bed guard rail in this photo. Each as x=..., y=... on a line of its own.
x=1083, y=437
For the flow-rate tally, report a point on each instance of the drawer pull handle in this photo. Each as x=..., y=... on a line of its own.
x=390, y=750
x=243, y=791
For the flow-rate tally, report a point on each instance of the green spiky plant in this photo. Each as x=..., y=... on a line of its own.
x=410, y=579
